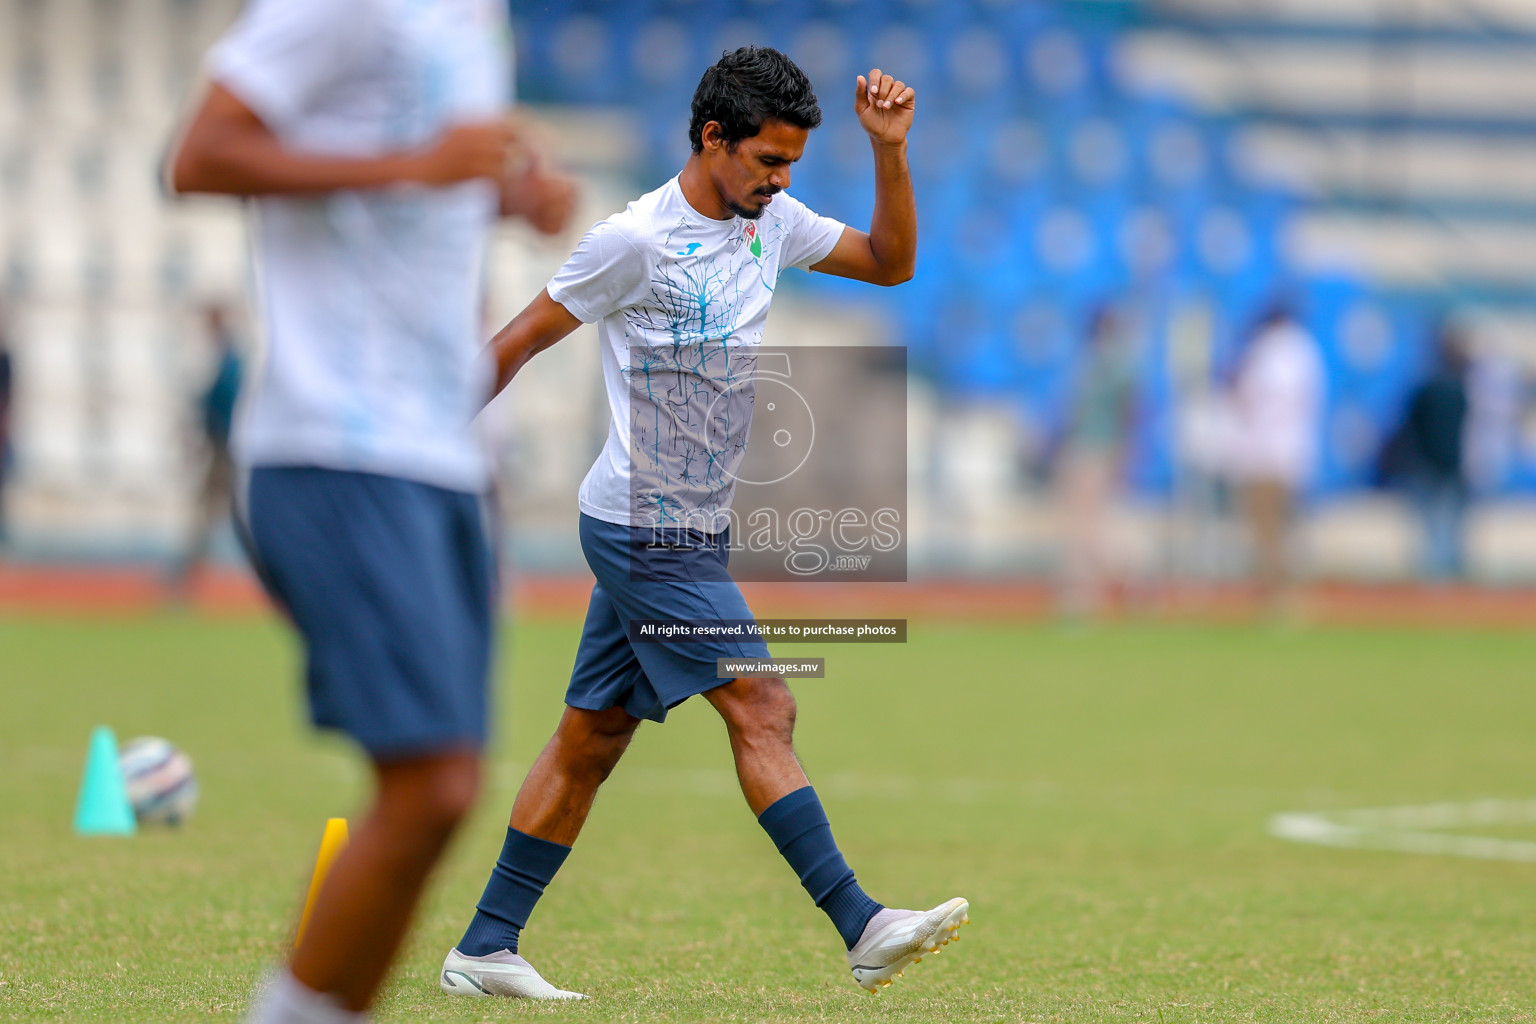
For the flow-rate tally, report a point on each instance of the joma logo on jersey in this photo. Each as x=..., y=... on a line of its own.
x=754, y=241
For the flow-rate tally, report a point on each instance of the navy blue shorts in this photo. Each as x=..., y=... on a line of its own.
x=392, y=584
x=685, y=581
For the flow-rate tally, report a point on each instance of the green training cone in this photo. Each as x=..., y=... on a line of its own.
x=103, y=808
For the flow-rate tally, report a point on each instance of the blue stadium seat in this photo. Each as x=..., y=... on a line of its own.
x=825, y=52
x=583, y=54
x=664, y=57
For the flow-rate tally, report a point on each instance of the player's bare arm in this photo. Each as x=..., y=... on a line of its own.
x=541, y=323
x=887, y=255
x=227, y=149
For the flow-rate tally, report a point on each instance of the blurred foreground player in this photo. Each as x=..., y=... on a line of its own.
x=680, y=284
x=373, y=135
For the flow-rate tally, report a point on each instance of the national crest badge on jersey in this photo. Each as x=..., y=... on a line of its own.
x=754, y=241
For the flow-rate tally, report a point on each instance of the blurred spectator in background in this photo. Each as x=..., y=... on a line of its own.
x=1277, y=402
x=215, y=418
x=1433, y=437
x=6, y=378
x=1092, y=462
x=1496, y=401
x=1199, y=525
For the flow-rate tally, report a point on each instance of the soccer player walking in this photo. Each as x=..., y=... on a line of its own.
x=373, y=136
x=682, y=279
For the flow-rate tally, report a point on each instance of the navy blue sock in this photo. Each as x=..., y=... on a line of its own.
x=525, y=867
x=799, y=828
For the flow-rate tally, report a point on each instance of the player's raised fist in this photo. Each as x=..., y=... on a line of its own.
x=885, y=106
x=474, y=150
x=545, y=198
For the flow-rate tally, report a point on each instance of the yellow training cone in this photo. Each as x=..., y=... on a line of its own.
x=331, y=844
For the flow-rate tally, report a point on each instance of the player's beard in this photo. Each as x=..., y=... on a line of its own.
x=750, y=214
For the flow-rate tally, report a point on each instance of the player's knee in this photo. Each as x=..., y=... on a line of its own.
x=603, y=750
x=594, y=741
x=422, y=801
x=449, y=794
x=458, y=790
x=761, y=709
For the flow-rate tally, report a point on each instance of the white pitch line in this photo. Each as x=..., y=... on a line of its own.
x=1406, y=829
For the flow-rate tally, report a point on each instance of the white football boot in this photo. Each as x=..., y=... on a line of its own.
x=896, y=939
x=497, y=974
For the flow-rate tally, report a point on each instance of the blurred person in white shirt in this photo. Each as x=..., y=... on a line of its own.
x=1277, y=404
x=1497, y=396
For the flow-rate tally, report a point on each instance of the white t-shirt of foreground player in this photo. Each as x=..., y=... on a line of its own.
x=370, y=298
x=680, y=300
x=1278, y=404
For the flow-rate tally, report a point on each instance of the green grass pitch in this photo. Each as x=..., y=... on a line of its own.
x=1100, y=796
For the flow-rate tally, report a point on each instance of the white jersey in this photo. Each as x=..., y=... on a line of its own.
x=1278, y=404
x=680, y=300
x=370, y=298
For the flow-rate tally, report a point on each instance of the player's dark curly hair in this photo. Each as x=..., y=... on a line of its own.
x=745, y=88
